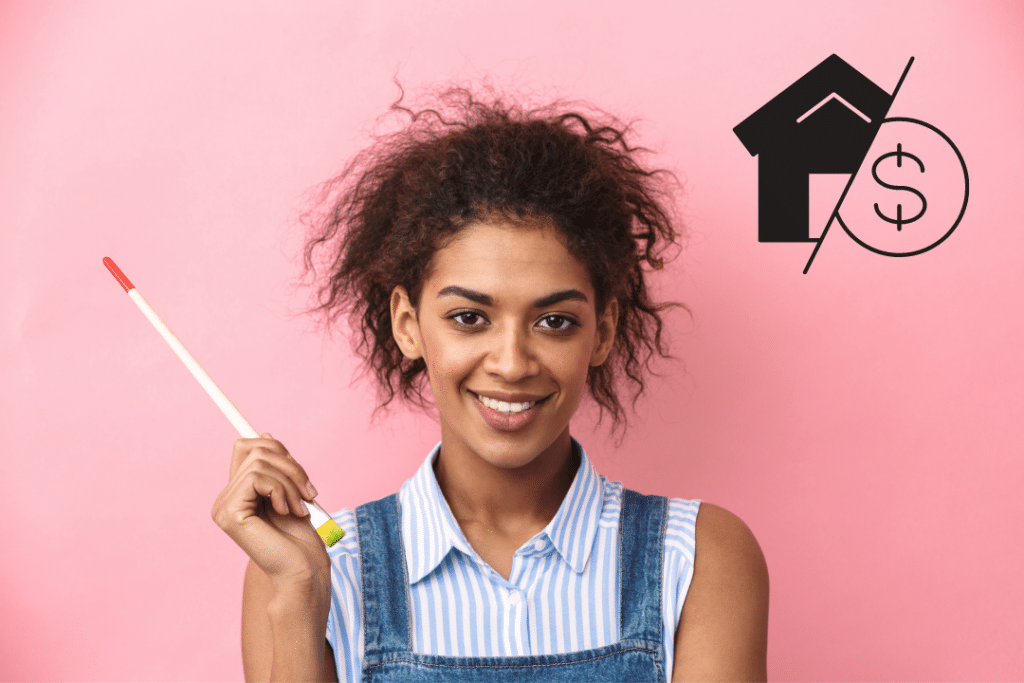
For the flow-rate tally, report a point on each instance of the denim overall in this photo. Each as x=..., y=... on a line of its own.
x=639, y=656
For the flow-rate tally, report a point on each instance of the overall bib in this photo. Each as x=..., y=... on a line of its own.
x=387, y=621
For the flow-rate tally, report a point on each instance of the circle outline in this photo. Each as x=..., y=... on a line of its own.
x=963, y=208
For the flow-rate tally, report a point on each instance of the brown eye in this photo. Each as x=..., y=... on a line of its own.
x=559, y=323
x=468, y=319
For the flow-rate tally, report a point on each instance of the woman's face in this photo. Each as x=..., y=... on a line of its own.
x=508, y=330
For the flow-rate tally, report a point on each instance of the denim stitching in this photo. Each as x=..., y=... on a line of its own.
x=508, y=666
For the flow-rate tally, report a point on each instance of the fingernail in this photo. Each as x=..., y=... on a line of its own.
x=310, y=489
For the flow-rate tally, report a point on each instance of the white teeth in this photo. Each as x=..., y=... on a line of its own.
x=505, y=407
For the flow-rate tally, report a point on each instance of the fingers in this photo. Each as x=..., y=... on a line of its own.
x=258, y=492
x=262, y=509
x=267, y=450
x=264, y=480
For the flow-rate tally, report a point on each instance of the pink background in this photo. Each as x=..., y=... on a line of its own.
x=860, y=418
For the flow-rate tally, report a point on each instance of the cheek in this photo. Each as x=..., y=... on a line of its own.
x=573, y=366
x=569, y=365
x=447, y=360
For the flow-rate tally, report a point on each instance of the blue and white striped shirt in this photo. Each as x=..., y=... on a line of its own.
x=562, y=594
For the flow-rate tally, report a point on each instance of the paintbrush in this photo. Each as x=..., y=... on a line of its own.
x=328, y=529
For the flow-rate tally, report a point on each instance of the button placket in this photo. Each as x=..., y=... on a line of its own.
x=515, y=615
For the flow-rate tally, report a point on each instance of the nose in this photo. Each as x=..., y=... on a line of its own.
x=511, y=355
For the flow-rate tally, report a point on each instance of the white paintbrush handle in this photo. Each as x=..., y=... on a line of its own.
x=214, y=392
x=323, y=522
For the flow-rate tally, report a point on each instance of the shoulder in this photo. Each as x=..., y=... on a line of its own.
x=723, y=629
x=729, y=562
x=724, y=539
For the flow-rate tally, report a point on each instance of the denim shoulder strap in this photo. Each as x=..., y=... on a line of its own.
x=386, y=616
x=641, y=549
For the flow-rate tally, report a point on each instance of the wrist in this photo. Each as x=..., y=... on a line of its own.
x=298, y=624
x=308, y=595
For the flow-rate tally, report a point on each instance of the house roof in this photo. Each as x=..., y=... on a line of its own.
x=775, y=122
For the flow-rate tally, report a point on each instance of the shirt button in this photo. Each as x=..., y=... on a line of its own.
x=539, y=544
x=513, y=597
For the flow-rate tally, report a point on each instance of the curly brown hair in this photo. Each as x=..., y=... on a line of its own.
x=464, y=159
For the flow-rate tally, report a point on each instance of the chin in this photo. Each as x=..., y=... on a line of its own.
x=512, y=451
x=506, y=455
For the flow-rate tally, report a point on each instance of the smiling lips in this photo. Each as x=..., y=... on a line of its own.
x=506, y=416
x=504, y=407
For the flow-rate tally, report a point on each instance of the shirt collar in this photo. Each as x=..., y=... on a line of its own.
x=429, y=529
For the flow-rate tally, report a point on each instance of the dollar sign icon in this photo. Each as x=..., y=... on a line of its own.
x=899, y=221
x=945, y=185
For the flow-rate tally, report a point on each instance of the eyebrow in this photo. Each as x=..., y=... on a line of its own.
x=486, y=300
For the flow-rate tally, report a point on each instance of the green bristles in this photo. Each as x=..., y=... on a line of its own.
x=330, y=532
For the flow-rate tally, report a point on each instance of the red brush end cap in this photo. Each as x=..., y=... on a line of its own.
x=118, y=275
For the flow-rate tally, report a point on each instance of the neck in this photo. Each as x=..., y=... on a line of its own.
x=507, y=499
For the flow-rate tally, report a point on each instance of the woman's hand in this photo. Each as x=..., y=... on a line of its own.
x=261, y=509
x=287, y=591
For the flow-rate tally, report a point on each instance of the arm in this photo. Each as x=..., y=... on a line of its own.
x=286, y=598
x=723, y=629
x=300, y=624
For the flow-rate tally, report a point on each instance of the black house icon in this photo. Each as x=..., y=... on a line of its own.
x=809, y=127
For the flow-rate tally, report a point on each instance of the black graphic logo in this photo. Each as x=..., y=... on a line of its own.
x=830, y=121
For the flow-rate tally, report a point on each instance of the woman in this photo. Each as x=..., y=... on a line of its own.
x=498, y=256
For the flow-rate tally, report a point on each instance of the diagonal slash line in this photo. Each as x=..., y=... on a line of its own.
x=831, y=218
x=849, y=183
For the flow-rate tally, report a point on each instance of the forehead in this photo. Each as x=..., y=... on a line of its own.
x=503, y=255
